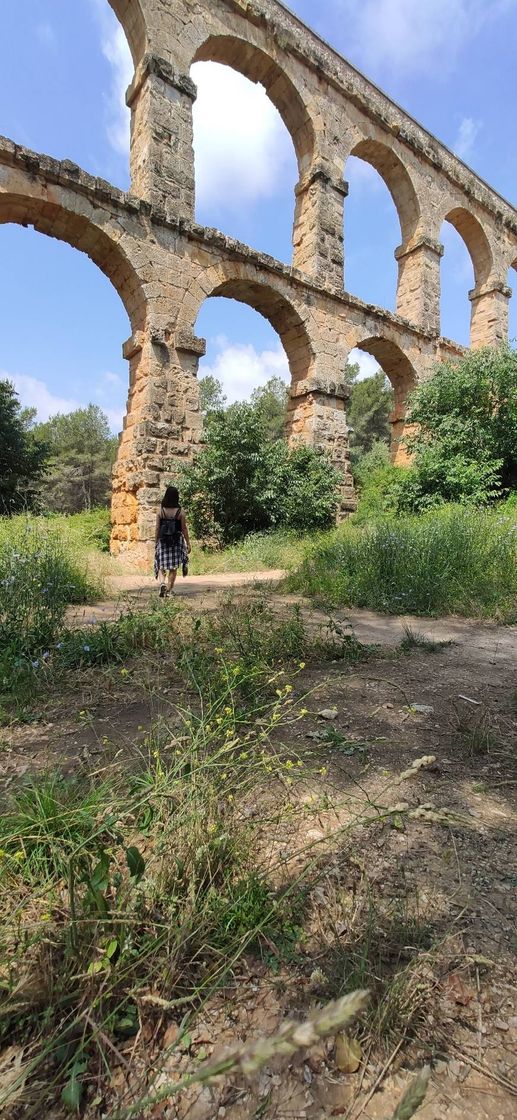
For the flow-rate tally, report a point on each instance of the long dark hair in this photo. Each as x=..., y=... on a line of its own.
x=171, y=498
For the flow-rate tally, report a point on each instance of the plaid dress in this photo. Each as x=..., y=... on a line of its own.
x=170, y=555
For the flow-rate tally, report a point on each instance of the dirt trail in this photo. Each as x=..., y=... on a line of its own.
x=486, y=640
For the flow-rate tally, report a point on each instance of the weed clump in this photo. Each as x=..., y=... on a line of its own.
x=38, y=579
x=452, y=560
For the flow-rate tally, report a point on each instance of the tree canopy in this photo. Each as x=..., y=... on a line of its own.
x=82, y=452
x=369, y=410
x=22, y=454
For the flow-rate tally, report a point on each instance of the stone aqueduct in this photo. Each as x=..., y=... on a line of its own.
x=164, y=265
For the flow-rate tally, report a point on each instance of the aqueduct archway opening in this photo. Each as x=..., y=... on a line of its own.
x=403, y=379
x=164, y=265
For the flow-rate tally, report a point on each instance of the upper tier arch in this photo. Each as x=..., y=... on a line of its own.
x=397, y=179
x=472, y=233
x=131, y=17
x=258, y=66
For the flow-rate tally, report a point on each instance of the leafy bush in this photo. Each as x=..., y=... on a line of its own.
x=243, y=482
x=465, y=448
x=450, y=560
x=93, y=527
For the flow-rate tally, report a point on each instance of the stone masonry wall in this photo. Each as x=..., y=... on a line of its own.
x=164, y=265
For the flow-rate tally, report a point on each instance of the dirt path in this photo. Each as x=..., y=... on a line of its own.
x=138, y=591
x=486, y=640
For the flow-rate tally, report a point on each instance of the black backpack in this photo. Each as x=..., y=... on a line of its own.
x=170, y=528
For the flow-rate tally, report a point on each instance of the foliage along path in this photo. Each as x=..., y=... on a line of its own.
x=203, y=593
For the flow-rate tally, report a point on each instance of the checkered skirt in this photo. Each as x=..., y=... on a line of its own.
x=168, y=556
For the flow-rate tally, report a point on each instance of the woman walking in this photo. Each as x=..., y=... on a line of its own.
x=172, y=541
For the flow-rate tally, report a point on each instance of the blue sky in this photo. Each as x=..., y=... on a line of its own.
x=450, y=63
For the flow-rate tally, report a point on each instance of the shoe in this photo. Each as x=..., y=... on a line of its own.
x=185, y=568
x=163, y=591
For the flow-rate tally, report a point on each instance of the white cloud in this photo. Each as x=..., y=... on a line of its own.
x=115, y=418
x=242, y=148
x=467, y=135
x=34, y=393
x=114, y=379
x=368, y=365
x=416, y=37
x=115, y=49
x=241, y=368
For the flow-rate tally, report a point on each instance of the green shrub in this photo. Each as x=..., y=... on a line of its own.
x=465, y=446
x=243, y=482
x=276, y=549
x=380, y=485
x=450, y=560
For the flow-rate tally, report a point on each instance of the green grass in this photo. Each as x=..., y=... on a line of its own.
x=453, y=560
x=259, y=551
x=41, y=573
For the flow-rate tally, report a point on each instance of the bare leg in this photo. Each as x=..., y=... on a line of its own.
x=171, y=579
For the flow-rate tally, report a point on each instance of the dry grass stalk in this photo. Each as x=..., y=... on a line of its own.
x=250, y=1060
x=414, y=1096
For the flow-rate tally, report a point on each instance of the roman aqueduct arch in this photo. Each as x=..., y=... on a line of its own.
x=164, y=265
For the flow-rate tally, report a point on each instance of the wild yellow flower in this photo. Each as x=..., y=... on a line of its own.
x=19, y=856
x=289, y=764
x=218, y=649
x=304, y=711
x=323, y=771
x=228, y=711
x=301, y=664
x=231, y=797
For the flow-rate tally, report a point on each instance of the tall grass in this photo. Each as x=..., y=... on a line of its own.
x=39, y=576
x=131, y=896
x=452, y=560
x=258, y=551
